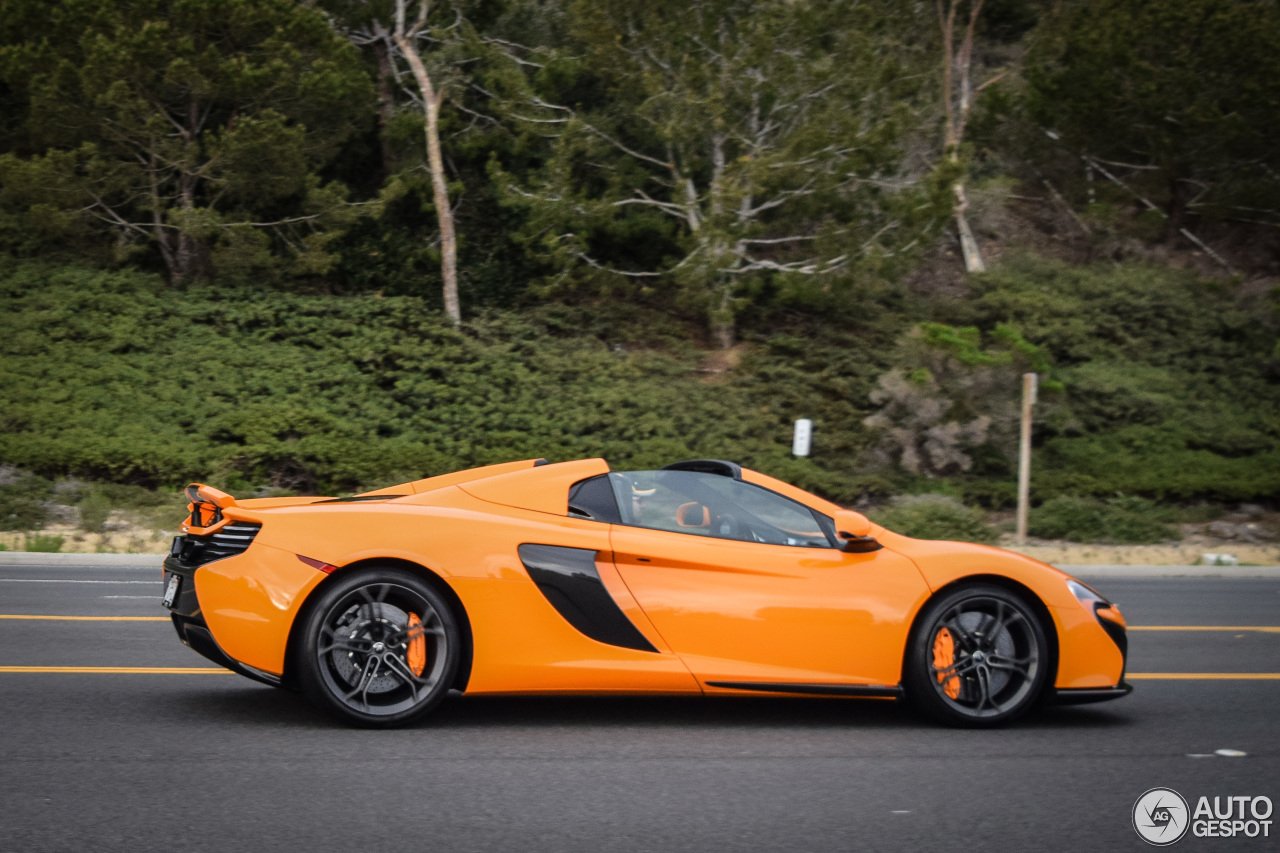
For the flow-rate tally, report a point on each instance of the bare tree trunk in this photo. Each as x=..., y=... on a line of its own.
x=431, y=100
x=158, y=231
x=190, y=254
x=723, y=333
x=968, y=244
x=386, y=102
x=186, y=257
x=958, y=94
x=723, y=328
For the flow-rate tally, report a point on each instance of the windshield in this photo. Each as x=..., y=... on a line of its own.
x=712, y=505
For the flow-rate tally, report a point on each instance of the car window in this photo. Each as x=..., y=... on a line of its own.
x=701, y=504
x=593, y=498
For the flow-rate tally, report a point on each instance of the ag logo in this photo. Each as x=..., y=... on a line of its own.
x=1160, y=816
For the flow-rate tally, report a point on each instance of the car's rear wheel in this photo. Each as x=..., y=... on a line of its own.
x=380, y=648
x=978, y=657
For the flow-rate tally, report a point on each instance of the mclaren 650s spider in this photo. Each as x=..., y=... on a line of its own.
x=569, y=578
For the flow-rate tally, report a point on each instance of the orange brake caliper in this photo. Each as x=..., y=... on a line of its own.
x=417, y=645
x=944, y=655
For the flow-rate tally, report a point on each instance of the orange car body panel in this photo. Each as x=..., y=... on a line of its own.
x=745, y=611
x=542, y=489
x=713, y=609
x=1086, y=655
x=250, y=602
x=457, y=477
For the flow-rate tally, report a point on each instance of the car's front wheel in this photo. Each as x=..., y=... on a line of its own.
x=978, y=657
x=380, y=648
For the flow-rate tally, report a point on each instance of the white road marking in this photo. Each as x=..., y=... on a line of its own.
x=32, y=617
x=155, y=583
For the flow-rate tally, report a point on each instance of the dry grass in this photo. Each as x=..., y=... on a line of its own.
x=124, y=533
x=1186, y=553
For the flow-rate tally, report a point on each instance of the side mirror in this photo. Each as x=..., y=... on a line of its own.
x=853, y=531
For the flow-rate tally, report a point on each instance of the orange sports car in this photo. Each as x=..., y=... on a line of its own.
x=702, y=577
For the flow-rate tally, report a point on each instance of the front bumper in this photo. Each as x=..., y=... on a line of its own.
x=1089, y=695
x=1112, y=623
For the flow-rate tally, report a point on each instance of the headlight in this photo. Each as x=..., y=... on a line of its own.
x=1086, y=595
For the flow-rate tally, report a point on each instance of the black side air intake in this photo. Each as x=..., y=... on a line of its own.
x=569, y=580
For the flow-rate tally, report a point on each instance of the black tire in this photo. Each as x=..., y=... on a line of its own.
x=355, y=660
x=998, y=663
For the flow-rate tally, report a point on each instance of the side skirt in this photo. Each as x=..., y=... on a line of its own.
x=866, y=691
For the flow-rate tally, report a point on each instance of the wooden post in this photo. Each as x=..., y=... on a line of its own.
x=1024, y=455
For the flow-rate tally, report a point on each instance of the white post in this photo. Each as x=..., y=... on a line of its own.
x=803, y=437
x=1024, y=455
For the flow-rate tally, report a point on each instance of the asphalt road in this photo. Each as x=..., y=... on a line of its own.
x=105, y=761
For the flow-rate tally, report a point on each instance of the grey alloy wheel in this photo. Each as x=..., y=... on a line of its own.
x=380, y=648
x=978, y=657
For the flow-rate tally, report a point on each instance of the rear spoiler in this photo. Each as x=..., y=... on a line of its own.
x=206, y=506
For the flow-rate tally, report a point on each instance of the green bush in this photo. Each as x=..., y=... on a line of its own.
x=94, y=511
x=116, y=378
x=1120, y=520
x=20, y=512
x=113, y=377
x=1201, y=513
x=45, y=544
x=22, y=499
x=935, y=517
x=1170, y=388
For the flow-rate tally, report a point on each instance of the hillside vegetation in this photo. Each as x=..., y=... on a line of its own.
x=110, y=376
x=298, y=247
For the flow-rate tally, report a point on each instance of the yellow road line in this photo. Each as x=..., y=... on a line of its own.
x=88, y=618
x=122, y=670
x=206, y=670
x=1202, y=676
x=1269, y=629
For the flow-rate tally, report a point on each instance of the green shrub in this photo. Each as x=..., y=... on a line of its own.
x=990, y=494
x=1120, y=520
x=1169, y=378
x=114, y=378
x=1201, y=513
x=935, y=517
x=94, y=511
x=166, y=517
x=45, y=544
x=22, y=501
x=19, y=512
x=3, y=547
x=122, y=496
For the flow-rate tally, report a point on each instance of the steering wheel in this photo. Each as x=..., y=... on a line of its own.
x=727, y=527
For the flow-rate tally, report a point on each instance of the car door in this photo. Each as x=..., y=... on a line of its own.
x=746, y=585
